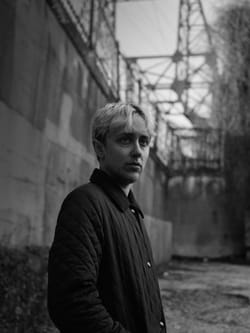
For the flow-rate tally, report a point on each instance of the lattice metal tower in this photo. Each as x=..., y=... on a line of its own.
x=181, y=82
x=195, y=59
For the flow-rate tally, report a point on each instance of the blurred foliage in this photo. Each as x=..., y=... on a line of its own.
x=232, y=100
x=232, y=93
x=23, y=291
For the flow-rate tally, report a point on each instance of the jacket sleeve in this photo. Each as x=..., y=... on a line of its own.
x=73, y=300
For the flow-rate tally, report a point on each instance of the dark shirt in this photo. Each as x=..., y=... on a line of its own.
x=101, y=275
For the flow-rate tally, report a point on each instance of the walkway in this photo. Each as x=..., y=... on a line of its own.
x=206, y=297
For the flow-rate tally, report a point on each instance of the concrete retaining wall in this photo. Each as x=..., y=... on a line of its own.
x=160, y=235
x=47, y=99
x=201, y=227
x=151, y=192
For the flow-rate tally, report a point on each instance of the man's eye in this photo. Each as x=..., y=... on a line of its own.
x=144, y=142
x=124, y=140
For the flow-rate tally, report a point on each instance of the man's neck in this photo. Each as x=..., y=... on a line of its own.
x=125, y=188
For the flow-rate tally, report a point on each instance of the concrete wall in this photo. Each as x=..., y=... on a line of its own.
x=197, y=207
x=160, y=235
x=151, y=192
x=47, y=99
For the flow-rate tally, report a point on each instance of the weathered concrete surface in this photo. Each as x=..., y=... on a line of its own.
x=206, y=297
x=48, y=96
x=151, y=193
x=47, y=99
x=160, y=235
x=198, y=208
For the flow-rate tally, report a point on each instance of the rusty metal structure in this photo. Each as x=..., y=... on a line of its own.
x=90, y=25
x=167, y=85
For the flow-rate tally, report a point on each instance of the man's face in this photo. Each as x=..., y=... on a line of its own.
x=126, y=150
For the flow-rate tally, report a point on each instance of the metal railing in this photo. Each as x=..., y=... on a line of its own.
x=192, y=150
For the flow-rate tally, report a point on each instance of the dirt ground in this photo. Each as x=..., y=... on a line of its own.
x=198, y=297
x=206, y=297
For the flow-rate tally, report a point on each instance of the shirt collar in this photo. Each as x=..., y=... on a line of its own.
x=123, y=202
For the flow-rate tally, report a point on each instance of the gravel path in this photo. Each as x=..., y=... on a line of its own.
x=206, y=297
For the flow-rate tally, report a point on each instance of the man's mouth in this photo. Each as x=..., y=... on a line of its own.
x=135, y=165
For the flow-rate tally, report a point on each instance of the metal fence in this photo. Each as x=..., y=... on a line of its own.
x=191, y=150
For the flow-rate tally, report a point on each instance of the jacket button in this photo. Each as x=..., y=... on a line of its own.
x=162, y=324
x=149, y=264
x=132, y=210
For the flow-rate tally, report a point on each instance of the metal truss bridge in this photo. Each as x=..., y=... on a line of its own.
x=170, y=86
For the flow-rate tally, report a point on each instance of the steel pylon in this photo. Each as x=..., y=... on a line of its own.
x=181, y=82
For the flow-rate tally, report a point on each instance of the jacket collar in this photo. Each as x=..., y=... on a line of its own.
x=123, y=202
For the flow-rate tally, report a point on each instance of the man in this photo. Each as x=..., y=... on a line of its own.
x=101, y=276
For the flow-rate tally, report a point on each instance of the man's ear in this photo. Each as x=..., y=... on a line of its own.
x=99, y=149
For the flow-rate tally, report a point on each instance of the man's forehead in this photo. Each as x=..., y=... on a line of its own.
x=121, y=125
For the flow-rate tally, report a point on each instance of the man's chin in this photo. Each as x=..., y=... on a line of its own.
x=133, y=176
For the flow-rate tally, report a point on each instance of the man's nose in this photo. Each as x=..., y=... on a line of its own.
x=137, y=149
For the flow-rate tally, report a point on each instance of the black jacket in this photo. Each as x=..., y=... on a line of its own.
x=101, y=276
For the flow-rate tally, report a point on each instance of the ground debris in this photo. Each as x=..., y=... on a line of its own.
x=206, y=297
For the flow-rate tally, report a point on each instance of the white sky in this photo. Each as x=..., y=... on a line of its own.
x=149, y=27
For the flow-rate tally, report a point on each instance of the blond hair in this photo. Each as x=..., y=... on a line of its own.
x=104, y=118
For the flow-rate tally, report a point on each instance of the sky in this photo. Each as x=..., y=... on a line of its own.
x=149, y=27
